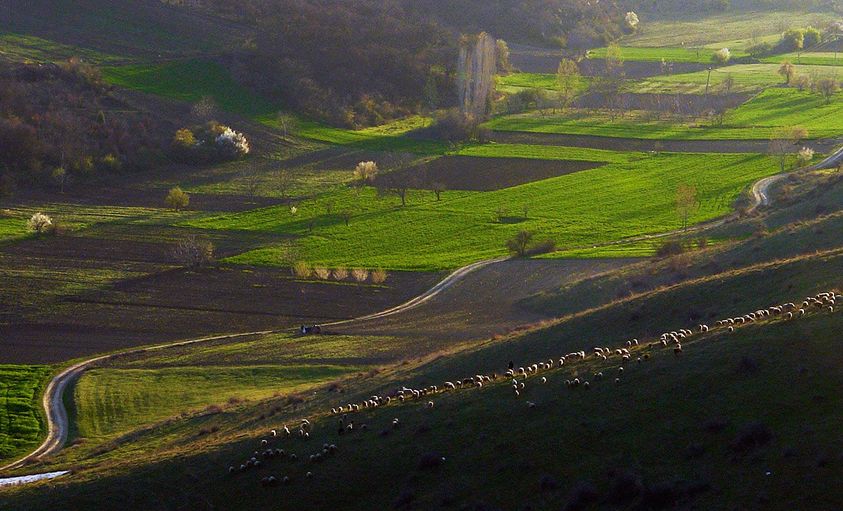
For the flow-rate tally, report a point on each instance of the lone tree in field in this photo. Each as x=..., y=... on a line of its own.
x=686, y=202
x=476, y=69
x=787, y=71
x=365, y=172
x=614, y=60
x=568, y=78
x=346, y=215
x=251, y=176
x=827, y=87
x=437, y=188
x=193, y=251
x=284, y=181
x=177, y=199
x=722, y=56
x=783, y=142
x=40, y=223
x=286, y=122
x=519, y=243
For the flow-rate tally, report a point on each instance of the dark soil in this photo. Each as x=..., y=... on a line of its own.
x=636, y=144
x=485, y=174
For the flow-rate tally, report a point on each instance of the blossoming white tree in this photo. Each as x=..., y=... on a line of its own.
x=40, y=223
x=722, y=55
x=631, y=20
x=233, y=142
x=805, y=155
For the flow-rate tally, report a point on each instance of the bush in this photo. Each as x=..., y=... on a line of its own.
x=670, y=248
x=301, y=269
x=722, y=56
x=232, y=143
x=40, y=223
x=177, y=198
x=378, y=276
x=543, y=247
x=360, y=275
x=322, y=273
x=340, y=273
x=517, y=245
x=193, y=251
x=760, y=50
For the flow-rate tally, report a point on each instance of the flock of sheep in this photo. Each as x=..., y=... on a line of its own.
x=517, y=378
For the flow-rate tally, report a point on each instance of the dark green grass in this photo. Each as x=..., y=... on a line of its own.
x=21, y=418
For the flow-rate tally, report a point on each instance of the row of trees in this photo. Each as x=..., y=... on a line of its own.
x=826, y=86
x=303, y=270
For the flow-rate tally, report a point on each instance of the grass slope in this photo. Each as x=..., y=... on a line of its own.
x=756, y=119
x=617, y=200
x=21, y=418
x=111, y=401
x=747, y=78
x=648, y=54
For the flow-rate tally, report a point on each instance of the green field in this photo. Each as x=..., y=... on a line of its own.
x=735, y=30
x=817, y=58
x=634, y=195
x=112, y=401
x=29, y=48
x=746, y=77
x=21, y=418
x=756, y=119
x=515, y=82
x=193, y=80
x=646, y=54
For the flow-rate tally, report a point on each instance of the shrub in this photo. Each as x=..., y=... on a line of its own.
x=631, y=21
x=322, y=273
x=359, y=274
x=811, y=37
x=365, y=171
x=760, y=50
x=542, y=247
x=232, y=143
x=301, y=269
x=379, y=276
x=805, y=155
x=517, y=245
x=670, y=248
x=177, y=198
x=40, y=223
x=722, y=56
x=340, y=273
x=193, y=251
x=793, y=39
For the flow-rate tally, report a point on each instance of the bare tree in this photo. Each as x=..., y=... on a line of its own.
x=284, y=181
x=193, y=251
x=346, y=215
x=251, y=176
x=476, y=69
x=568, y=79
x=827, y=87
x=437, y=188
x=286, y=122
x=519, y=243
x=686, y=202
x=787, y=71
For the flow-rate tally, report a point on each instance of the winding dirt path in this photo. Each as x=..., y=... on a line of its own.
x=57, y=418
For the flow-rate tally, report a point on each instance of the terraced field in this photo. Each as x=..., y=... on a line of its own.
x=746, y=78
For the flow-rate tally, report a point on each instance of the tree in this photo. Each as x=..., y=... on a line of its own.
x=7, y=186
x=59, y=177
x=346, y=215
x=827, y=87
x=283, y=181
x=787, y=70
x=476, y=74
x=614, y=60
x=568, y=78
x=287, y=123
x=783, y=141
x=40, y=223
x=811, y=37
x=686, y=202
x=193, y=251
x=251, y=176
x=204, y=110
x=631, y=21
x=518, y=244
x=177, y=198
x=721, y=56
x=502, y=54
x=437, y=188
x=793, y=39
x=728, y=83
x=365, y=172
x=395, y=183
x=805, y=155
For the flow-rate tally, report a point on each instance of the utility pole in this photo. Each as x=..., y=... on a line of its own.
x=708, y=81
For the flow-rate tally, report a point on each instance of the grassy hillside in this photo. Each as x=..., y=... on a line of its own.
x=21, y=419
x=603, y=204
x=756, y=119
x=747, y=78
